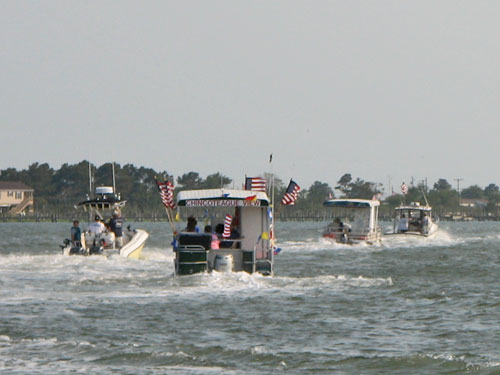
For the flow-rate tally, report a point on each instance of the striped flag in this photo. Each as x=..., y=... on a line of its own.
x=404, y=189
x=255, y=184
x=291, y=194
x=166, y=190
x=227, y=226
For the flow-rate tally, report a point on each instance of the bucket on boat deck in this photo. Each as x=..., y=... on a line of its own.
x=223, y=263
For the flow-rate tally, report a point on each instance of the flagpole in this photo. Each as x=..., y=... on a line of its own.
x=272, y=198
x=167, y=210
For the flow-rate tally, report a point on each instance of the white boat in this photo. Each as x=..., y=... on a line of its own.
x=356, y=221
x=249, y=250
x=103, y=205
x=414, y=220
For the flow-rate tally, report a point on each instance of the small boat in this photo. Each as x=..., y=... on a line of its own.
x=356, y=221
x=103, y=205
x=247, y=248
x=414, y=220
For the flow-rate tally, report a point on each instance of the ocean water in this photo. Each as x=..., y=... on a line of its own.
x=407, y=306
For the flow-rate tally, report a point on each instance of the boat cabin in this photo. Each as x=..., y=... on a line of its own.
x=247, y=242
x=356, y=220
x=105, y=199
x=413, y=219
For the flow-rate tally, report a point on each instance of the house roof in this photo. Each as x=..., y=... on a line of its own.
x=14, y=185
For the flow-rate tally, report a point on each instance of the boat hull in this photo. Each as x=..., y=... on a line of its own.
x=132, y=248
x=350, y=239
x=429, y=234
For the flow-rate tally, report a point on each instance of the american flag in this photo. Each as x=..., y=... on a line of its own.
x=227, y=226
x=166, y=190
x=255, y=184
x=291, y=194
x=404, y=189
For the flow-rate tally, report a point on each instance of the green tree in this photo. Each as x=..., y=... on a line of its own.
x=318, y=193
x=442, y=184
x=191, y=180
x=344, y=184
x=216, y=180
x=492, y=193
x=473, y=191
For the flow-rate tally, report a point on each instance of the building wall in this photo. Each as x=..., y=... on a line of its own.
x=12, y=197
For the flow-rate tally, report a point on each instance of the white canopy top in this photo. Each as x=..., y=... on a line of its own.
x=351, y=203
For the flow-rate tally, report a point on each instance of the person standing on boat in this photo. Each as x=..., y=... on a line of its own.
x=115, y=224
x=97, y=227
x=403, y=224
x=76, y=234
x=425, y=223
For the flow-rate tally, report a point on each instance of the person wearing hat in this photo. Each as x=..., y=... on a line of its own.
x=97, y=227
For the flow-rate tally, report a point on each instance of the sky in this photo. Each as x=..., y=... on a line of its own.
x=388, y=91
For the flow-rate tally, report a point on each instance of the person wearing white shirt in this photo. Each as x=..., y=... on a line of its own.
x=97, y=227
x=403, y=224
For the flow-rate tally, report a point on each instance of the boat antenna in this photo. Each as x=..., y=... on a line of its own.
x=425, y=198
x=272, y=196
x=90, y=179
x=114, y=184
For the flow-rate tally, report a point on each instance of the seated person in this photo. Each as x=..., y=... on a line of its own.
x=225, y=244
x=215, y=240
x=191, y=225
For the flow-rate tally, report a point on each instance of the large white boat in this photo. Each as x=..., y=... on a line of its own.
x=103, y=205
x=249, y=247
x=356, y=221
x=414, y=220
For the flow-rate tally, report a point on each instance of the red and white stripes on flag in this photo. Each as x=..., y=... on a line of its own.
x=404, y=188
x=166, y=193
x=255, y=184
x=227, y=226
x=291, y=194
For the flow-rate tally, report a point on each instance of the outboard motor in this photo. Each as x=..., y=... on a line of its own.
x=223, y=263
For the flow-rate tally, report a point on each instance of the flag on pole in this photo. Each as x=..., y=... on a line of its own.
x=166, y=190
x=255, y=184
x=291, y=194
x=227, y=226
x=404, y=188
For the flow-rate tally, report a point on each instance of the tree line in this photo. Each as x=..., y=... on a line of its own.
x=57, y=191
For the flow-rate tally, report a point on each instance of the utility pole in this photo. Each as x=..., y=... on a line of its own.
x=458, y=188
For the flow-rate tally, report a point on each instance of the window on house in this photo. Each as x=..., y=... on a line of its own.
x=10, y=193
x=19, y=195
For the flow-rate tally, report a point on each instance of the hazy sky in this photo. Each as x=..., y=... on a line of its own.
x=378, y=89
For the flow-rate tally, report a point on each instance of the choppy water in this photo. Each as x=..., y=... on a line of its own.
x=405, y=307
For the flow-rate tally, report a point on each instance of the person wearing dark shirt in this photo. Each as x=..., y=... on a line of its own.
x=116, y=226
x=76, y=234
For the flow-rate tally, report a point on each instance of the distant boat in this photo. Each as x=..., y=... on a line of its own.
x=356, y=221
x=104, y=203
x=413, y=220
